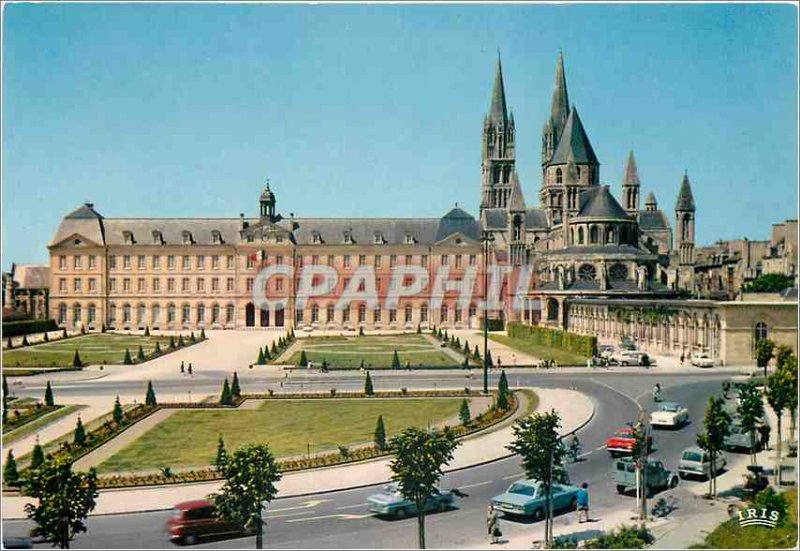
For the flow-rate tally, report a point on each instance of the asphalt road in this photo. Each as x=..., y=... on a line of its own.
x=341, y=519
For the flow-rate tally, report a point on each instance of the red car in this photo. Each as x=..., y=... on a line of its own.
x=623, y=441
x=192, y=520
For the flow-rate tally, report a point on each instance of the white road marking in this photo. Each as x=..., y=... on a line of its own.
x=352, y=506
x=517, y=476
x=339, y=516
x=304, y=505
x=604, y=446
x=475, y=485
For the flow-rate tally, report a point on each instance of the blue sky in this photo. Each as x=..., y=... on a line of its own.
x=369, y=110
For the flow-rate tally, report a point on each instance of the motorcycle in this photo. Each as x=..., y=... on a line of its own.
x=663, y=506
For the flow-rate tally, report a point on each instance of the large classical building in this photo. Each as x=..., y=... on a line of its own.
x=26, y=291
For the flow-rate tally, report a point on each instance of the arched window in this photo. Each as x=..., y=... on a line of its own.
x=229, y=313
x=76, y=313
x=580, y=236
x=587, y=272
x=140, y=313
x=92, y=313
x=685, y=227
x=62, y=313
x=559, y=176
x=201, y=313
x=407, y=313
x=112, y=313
x=760, y=331
x=423, y=313
x=126, y=313
x=156, y=313
x=362, y=313
x=444, y=313
x=171, y=313
x=517, y=228
x=215, y=313
x=609, y=235
x=593, y=234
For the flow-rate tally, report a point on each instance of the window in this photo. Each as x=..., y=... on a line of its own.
x=92, y=285
x=140, y=313
x=377, y=261
x=215, y=313
x=215, y=262
x=329, y=314
x=376, y=315
x=216, y=237
x=158, y=239
x=423, y=313
x=140, y=262
x=444, y=313
x=201, y=313
x=185, y=284
x=76, y=285
x=377, y=238
x=229, y=313
x=156, y=285
x=92, y=313
x=127, y=238
x=409, y=239
x=346, y=315
x=126, y=285
x=112, y=262
x=126, y=313
x=472, y=311
x=171, y=284
x=171, y=313
x=140, y=285
x=424, y=260
x=559, y=176
x=348, y=238
x=362, y=259
x=229, y=262
x=409, y=259
x=580, y=236
x=186, y=312
x=392, y=315
x=126, y=262
x=251, y=262
x=201, y=285
x=62, y=285
x=229, y=285
x=112, y=285
x=587, y=272
x=517, y=228
x=201, y=261
x=76, y=262
x=392, y=261
x=316, y=238
x=407, y=313
x=187, y=238
x=330, y=260
x=62, y=262
x=76, y=313
x=92, y=259
x=315, y=260
x=186, y=262
x=171, y=262
x=457, y=312
x=215, y=285
x=760, y=332
x=279, y=284
x=62, y=313
x=279, y=259
x=445, y=260
x=156, y=313
x=249, y=284
x=593, y=234
x=156, y=262
x=347, y=261
x=458, y=261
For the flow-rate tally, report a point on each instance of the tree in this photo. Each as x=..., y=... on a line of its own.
x=751, y=412
x=226, y=398
x=419, y=329
x=419, y=457
x=150, y=397
x=192, y=338
x=236, y=390
x=537, y=442
x=779, y=391
x=127, y=360
x=477, y=354
x=261, y=360
x=24, y=340
x=716, y=425
x=380, y=433
x=639, y=453
x=118, y=414
x=76, y=360
x=171, y=342
x=274, y=350
x=10, y=473
x=49, y=400
x=369, y=390
x=103, y=328
x=764, y=349
x=157, y=350
x=202, y=333
x=250, y=476
x=266, y=354
x=147, y=331
x=65, y=499
x=489, y=360
x=5, y=387
x=37, y=455
x=395, y=360
x=502, y=392
x=181, y=342
x=768, y=283
x=303, y=359
x=140, y=355
x=80, y=433
x=9, y=344
x=464, y=415
x=222, y=455
x=45, y=338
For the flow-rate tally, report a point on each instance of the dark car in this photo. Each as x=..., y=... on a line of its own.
x=192, y=520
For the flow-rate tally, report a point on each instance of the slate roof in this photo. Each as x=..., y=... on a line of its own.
x=685, y=198
x=535, y=218
x=651, y=199
x=574, y=138
x=631, y=172
x=84, y=221
x=516, y=202
x=32, y=276
x=597, y=249
x=597, y=202
x=171, y=230
x=497, y=108
x=653, y=220
x=497, y=219
x=559, y=108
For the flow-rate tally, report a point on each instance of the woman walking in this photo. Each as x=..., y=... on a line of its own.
x=493, y=525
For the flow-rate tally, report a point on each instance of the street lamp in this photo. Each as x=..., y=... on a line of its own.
x=487, y=238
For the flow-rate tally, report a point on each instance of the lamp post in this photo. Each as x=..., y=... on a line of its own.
x=486, y=238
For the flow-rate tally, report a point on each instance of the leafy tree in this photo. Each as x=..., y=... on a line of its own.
x=464, y=415
x=419, y=329
x=236, y=390
x=76, y=360
x=303, y=359
x=222, y=454
x=118, y=414
x=157, y=350
x=80, y=433
x=10, y=473
x=639, y=453
x=250, y=476
x=49, y=400
x=380, y=433
x=369, y=390
x=150, y=397
x=768, y=283
x=477, y=354
x=395, y=360
x=537, y=442
x=171, y=342
x=781, y=385
x=127, y=360
x=419, y=457
x=261, y=360
x=502, y=392
x=226, y=398
x=716, y=425
x=65, y=499
x=37, y=455
x=764, y=349
x=140, y=355
x=751, y=411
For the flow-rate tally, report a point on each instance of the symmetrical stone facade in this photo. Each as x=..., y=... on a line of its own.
x=26, y=290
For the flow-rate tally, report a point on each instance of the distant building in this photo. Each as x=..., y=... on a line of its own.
x=26, y=291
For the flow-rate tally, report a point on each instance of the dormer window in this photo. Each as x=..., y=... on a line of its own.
x=158, y=238
x=216, y=237
x=410, y=239
x=316, y=238
x=127, y=238
x=378, y=238
x=187, y=237
x=348, y=238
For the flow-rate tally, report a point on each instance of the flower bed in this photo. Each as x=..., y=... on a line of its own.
x=31, y=413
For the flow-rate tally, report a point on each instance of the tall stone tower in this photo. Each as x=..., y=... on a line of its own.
x=516, y=222
x=631, y=186
x=498, y=151
x=684, y=223
x=559, y=111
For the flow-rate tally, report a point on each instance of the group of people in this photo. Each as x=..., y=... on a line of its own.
x=184, y=369
x=547, y=364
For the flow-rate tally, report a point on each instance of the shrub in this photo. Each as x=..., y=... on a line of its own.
x=24, y=340
x=404, y=391
x=395, y=361
x=9, y=345
x=181, y=343
x=369, y=390
x=10, y=473
x=645, y=360
x=360, y=330
x=37, y=456
x=303, y=359
x=344, y=451
x=76, y=360
x=464, y=415
x=770, y=500
x=565, y=542
x=48, y=395
x=585, y=345
x=333, y=392
x=157, y=350
x=166, y=472
x=202, y=334
x=17, y=328
x=147, y=331
x=380, y=433
x=140, y=355
x=127, y=360
x=236, y=390
x=80, y=434
x=46, y=338
x=192, y=338
x=171, y=342
x=625, y=537
x=150, y=396
x=118, y=413
x=226, y=398
x=261, y=360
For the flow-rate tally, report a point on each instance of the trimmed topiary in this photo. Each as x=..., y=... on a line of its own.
x=76, y=360
x=140, y=355
x=127, y=360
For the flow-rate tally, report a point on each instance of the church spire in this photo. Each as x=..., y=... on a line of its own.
x=559, y=109
x=631, y=185
x=498, y=111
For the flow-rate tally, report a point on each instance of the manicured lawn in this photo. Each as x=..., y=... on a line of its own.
x=189, y=438
x=96, y=348
x=729, y=535
x=38, y=423
x=375, y=351
x=561, y=357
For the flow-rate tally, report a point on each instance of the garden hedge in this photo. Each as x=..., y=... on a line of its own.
x=586, y=345
x=26, y=327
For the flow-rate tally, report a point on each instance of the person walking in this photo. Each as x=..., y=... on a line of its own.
x=683, y=357
x=764, y=430
x=493, y=525
x=583, y=502
x=183, y=369
x=190, y=368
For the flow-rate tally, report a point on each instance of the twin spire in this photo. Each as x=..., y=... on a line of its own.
x=559, y=108
x=498, y=112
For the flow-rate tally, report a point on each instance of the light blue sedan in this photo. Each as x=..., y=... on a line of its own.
x=525, y=498
x=391, y=502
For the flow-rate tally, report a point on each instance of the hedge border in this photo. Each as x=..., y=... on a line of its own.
x=585, y=345
x=17, y=328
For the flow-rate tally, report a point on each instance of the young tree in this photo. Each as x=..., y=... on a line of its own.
x=192, y=338
x=502, y=392
x=24, y=340
x=147, y=331
x=764, y=350
x=639, y=453
x=274, y=350
x=202, y=333
x=150, y=396
x=10, y=473
x=226, y=398
x=140, y=355
x=477, y=354
x=80, y=433
x=222, y=455
x=716, y=425
x=236, y=390
x=261, y=360
x=119, y=415
x=395, y=360
x=181, y=342
x=369, y=390
x=303, y=359
x=76, y=359
x=250, y=476
x=419, y=457
x=37, y=455
x=380, y=433
x=267, y=356
x=65, y=499
x=171, y=342
x=5, y=387
x=489, y=360
x=465, y=350
x=537, y=442
x=464, y=415
x=751, y=412
x=46, y=338
x=49, y=400
x=9, y=344
x=779, y=391
x=419, y=329
x=157, y=349
x=127, y=360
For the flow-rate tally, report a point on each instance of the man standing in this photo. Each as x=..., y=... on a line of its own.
x=583, y=503
x=493, y=525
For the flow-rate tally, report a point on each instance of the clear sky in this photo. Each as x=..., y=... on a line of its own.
x=370, y=110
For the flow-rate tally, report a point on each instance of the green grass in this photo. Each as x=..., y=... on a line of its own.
x=562, y=357
x=38, y=423
x=188, y=438
x=376, y=351
x=729, y=535
x=96, y=348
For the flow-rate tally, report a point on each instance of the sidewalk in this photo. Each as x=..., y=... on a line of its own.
x=576, y=410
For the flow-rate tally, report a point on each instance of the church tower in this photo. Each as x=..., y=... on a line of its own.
x=684, y=223
x=267, y=204
x=559, y=111
x=498, y=148
x=631, y=186
x=516, y=222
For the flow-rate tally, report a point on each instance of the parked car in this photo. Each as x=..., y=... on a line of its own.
x=392, y=502
x=605, y=351
x=196, y=519
x=695, y=462
x=657, y=477
x=11, y=542
x=525, y=498
x=622, y=442
x=669, y=414
x=627, y=357
x=702, y=360
x=626, y=343
x=737, y=439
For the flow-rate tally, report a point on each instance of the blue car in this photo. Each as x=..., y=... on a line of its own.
x=525, y=498
x=391, y=502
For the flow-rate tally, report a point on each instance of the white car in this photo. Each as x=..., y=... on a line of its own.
x=627, y=357
x=702, y=360
x=669, y=414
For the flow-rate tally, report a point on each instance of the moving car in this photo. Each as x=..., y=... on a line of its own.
x=669, y=414
x=702, y=360
x=391, y=502
x=623, y=441
x=192, y=520
x=525, y=498
x=657, y=477
x=695, y=462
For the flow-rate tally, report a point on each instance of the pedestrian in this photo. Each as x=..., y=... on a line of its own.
x=682, y=358
x=499, y=362
x=190, y=368
x=183, y=369
x=764, y=430
x=583, y=502
x=493, y=525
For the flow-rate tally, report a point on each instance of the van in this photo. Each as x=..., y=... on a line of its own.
x=696, y=462
x=192, y=520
